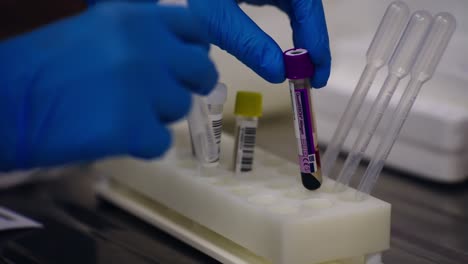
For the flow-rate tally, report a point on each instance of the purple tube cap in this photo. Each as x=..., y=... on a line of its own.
x=298, y=64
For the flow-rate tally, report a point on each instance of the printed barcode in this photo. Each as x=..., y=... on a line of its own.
x=311, y=158
x=312, y=163
x=248, y=146
x=217, y=127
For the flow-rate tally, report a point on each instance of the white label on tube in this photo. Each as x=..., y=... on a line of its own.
x=296, y=122
x=246, y=136
x=217, y=124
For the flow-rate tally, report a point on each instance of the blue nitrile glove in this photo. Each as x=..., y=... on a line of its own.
x=232, y=30
x=105, y=82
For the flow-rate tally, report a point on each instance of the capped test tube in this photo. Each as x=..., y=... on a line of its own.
x=201, y=133
x=215, y=101
x=248, y=108
x=209, y=111
x=299, y=69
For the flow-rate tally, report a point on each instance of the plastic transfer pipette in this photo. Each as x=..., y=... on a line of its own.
x=434, y=47
x=381, y=48
x=399, y=66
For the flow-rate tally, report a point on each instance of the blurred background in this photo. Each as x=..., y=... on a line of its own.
x=433, y=143
x=425, y=180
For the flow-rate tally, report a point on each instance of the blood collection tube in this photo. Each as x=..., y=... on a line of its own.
x=248, y=108
x=215, y=101
x=299, y=69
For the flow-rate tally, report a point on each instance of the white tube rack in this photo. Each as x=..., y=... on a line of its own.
x=263, y=217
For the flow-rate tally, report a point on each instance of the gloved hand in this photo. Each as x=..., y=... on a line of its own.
x=232, y=30
x=105, y=82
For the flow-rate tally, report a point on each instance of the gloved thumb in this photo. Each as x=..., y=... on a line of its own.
x=232, y=30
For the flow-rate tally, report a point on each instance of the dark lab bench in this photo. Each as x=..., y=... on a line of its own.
x=429, y=220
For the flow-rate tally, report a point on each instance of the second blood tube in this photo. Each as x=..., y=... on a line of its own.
x=299, y=69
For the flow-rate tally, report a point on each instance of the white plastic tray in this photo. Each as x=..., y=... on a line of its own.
x=267, y=214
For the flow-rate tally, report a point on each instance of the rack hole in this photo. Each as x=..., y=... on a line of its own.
x=187, y=164
x=228, y=181
x=262, y=199
x=318, y=203
x=300, y=194
x=272, y=162
x=243, y=191
x=279, y=184
x=284, y=209
x=288, y=170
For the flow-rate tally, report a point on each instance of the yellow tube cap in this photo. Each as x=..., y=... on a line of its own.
x=248, y=104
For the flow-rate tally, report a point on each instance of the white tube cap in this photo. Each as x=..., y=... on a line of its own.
x=218, y=95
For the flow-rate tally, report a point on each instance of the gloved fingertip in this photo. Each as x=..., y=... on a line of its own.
x=239, y=35
x=205, y=46
x=274, y=78
x=152, y=143
x=90, y=2
x=275, y=74
x=211, y=81
x=207, y=85
x=185, y=24
x=272, y=66
x=321, y=76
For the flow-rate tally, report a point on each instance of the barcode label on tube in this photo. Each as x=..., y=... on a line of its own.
x=217, y=128
x=248, y=147
x=245, y=148
x=312, y=163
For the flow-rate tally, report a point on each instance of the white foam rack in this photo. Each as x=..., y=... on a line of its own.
x=263, y=217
